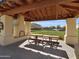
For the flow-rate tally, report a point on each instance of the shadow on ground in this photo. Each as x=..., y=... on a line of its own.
x=56, y=52
x=14, y=52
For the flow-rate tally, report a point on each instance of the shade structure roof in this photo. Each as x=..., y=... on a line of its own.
x=38, y=10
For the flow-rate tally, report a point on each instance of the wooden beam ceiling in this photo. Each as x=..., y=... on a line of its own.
x=72, y=12
x=70, y=5
x=16, y=1
x=39, y=14
x=48, y=12
x=35, y=14
x=76, y=1
x=43, y=13
x=35, y=10
x=25, y=8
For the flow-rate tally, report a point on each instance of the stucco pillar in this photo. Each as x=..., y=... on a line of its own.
x=7, y=32
x=71, y=34
x=19, y=28
x=28, y=28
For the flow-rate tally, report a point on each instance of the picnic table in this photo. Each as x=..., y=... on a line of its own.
x=45, y=39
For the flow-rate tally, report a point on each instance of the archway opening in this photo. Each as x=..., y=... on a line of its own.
x=52, y=27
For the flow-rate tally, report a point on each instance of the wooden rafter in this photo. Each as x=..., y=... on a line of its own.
x=53, y=12
x=5, y=6
x=9, y=3
x=72, y=6
x=59, y=12
x=16, y=1
x=35, y=10
x=35, y=14
x=48, y=12
x=73, y=12
x=30, y=1
x=32, y=16
x=39, y=14
x=76, y=1
x=26, y=8
x=12, y=4
x=43, y=13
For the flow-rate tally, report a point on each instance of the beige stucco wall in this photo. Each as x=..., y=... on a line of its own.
x=71, y=36
x=20, y=25
x=27, y=28
x=8, y=33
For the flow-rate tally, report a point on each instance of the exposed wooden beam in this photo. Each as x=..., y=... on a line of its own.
x=31, y=15
x=69, y=3
x=29, y=1
x=68, y=0
x=9, y=3
x=53, y=11
x=39, y=13
x=1, y=7
x=44, y=19
x=16, y=1
x=72, y=6
x=43, y=13
x=49, y=13
x=63, y=12
x=5, y=6
x=58, y=13
x=26, y=8
x=46, y=12
x=73, y=11
x=76, y=1
x=35, y=14
x=38, y=0
x=27, y=17
x=12, y=4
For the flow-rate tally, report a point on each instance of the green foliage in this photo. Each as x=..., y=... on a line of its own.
x=58, y=27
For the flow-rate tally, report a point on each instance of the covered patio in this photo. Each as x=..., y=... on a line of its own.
x=15, y=26
x=21, y=50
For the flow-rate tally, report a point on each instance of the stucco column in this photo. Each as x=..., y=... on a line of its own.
x=71, y=36
x=28, y=28
x=19, y=28
x=7, y=32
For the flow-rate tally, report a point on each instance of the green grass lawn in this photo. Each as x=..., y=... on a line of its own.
x=51, y=32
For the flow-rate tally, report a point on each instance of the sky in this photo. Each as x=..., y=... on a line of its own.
x=54, y=23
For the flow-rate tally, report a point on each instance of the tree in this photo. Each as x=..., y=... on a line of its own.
x=64, y=28
x=52, y=27
x=58, y=27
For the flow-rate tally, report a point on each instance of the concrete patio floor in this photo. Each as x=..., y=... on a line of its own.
x=19, y=51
